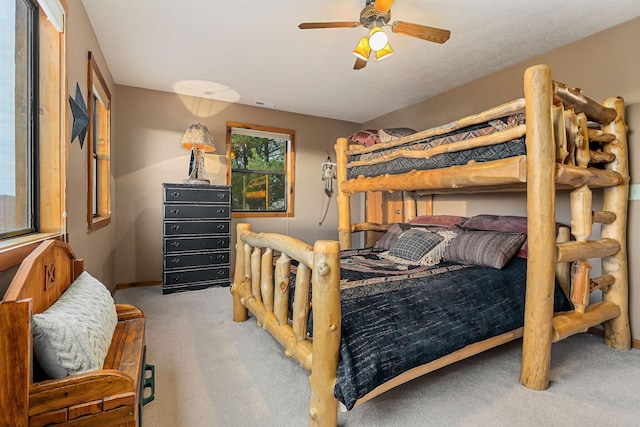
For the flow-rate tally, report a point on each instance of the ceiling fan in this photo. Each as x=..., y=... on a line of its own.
x=375, y=15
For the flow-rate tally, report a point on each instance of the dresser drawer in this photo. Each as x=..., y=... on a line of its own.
x=197, y=211
x=196, y=228
x=196, y=244
x=198, y=275
x=196, y=259
x=198, y=195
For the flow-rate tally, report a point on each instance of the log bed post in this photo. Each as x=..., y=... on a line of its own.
x=541, y=231
x=617, y=331
x=240, y=312
x=343, y=199
x=323, y=408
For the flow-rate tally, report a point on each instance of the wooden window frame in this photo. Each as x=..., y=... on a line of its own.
x=52, y=156
x=290, y=169
x=99, y=138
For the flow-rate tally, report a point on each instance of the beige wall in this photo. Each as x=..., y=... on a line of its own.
x=604, y=65
x=96, y=247
x=150, y=125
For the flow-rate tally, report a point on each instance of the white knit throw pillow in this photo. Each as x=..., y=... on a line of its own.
x=73, y=335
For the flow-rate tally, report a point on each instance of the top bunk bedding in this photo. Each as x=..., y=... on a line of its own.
x=374, y=163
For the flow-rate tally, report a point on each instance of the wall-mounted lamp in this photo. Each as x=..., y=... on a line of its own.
x=377, y=42
x=198, y=139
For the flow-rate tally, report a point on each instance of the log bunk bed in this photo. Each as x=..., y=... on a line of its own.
x=572, y=143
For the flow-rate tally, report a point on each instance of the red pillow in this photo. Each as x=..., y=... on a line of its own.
x=366, y=137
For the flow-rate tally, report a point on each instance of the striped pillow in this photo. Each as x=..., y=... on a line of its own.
x=488, y=248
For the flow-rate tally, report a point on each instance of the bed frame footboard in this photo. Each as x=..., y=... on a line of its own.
x=262, y=287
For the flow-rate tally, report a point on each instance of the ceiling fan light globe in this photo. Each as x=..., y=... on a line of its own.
x=377, y=39
x=363, y=51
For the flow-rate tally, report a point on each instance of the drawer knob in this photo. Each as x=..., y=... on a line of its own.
x=175, y=244
x=220, y=195
x=221, y=211
x=177, y=277
x=175, y=227
x=220, y=226
x=175, y=260
x=175, y=194
x=175, y=211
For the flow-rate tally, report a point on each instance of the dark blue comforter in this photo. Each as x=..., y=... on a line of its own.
x=415, y=316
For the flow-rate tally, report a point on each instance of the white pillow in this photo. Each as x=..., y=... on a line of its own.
x=73, y=335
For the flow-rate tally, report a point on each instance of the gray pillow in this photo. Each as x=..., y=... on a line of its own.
x=419, y=246
x=391, y=235
x=74, y=334
x=488, y=248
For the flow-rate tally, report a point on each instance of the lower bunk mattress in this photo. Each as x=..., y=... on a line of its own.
x=396, y=317
x=503, y=150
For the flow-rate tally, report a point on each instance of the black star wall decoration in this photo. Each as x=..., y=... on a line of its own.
x=80, y=117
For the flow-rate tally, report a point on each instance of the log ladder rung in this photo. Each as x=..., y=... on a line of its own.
x=603, y=217
x=572, y=322
x=575, y=251
x=602, y=283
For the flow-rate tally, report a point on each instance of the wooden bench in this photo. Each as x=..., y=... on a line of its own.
x=110, y=396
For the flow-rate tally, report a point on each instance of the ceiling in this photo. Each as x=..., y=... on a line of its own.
x=251, y=51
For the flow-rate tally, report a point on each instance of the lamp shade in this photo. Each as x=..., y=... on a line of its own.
x=363, y=50
x=197, y=136
x=383, y=53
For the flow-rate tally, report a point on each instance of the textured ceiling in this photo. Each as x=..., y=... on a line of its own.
x=251, y=51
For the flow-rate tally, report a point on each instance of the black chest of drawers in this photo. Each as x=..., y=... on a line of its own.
x=196, y=238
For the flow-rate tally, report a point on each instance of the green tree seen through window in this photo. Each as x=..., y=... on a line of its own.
x=259, y=175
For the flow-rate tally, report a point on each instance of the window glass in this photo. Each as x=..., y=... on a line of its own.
x=99, y=185
x=261, y=170
x=18, y=33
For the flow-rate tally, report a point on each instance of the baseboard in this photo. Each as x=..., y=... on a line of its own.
x=137, y=284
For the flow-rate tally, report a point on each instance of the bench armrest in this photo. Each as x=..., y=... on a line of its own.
x=128, y=311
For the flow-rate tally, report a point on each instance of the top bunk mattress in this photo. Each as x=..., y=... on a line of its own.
x=400, y=165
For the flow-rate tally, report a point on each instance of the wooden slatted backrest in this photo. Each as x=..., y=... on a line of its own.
x=44, y=275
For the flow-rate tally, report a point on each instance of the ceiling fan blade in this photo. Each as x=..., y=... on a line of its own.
x=312, y=25
x=382, y=5
x=360, y=63
x=423, y=32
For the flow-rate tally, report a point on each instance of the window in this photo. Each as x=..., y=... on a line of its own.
x=260, y=170
x=18, y=100
x=33, y=132
x=99, y=152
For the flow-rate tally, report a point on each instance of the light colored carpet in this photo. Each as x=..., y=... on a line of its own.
x=211, y=371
